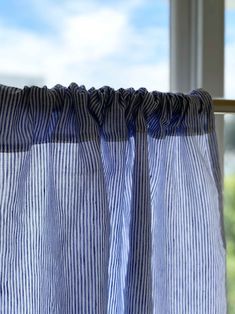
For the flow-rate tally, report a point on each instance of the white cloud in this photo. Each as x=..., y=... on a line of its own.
x=93, y=35
x=84, y=51
x=230, y=4
x=95, y=49
x=22, y=51
x=230, y=70
x=152, y=77
x=55, y=12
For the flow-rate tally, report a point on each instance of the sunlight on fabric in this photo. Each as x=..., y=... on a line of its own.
x=121, y=226
x=110, y=202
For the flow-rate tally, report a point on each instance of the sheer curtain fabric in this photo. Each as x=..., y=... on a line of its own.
x=110, y=202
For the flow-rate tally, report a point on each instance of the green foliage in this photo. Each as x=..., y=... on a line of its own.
x=229, y=223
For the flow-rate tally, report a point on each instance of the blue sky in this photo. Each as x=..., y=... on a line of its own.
x=25, y=13
x=93, y=42
x=229, y=49
x=230, y=24
x=96, y=42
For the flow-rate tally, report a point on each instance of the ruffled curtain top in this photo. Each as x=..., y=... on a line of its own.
x=34, y=115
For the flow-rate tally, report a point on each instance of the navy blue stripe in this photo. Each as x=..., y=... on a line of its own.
x=110, y=202
x=35, y=115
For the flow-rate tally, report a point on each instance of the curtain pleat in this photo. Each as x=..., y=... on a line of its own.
x=110, y=202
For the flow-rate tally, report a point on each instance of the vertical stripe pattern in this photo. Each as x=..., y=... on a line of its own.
x=110, y=202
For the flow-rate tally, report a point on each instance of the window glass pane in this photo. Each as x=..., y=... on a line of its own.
x=229, y=206
x=93, y=43
x=229, y=156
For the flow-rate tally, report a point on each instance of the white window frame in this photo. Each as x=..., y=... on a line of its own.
x=197, y=53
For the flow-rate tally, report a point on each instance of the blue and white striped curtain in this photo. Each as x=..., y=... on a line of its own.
x=110, y=202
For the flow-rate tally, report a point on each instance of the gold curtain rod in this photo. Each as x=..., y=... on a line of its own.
x=222, y=106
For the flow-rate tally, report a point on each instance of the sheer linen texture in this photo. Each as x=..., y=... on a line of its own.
x=110, y=202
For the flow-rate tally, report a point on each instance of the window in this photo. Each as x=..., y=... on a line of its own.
x=229, y=207
x=123, y=44
x=197, y=60
x=229, y=153
x=93, y=43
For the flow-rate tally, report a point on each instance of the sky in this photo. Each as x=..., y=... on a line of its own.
x=93, y=43
x=229, y=85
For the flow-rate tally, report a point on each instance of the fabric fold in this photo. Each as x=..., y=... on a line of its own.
x=110, y=202
x=37, y=115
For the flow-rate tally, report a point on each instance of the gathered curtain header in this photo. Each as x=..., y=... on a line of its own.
x=119, y=212
x=35, y=115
